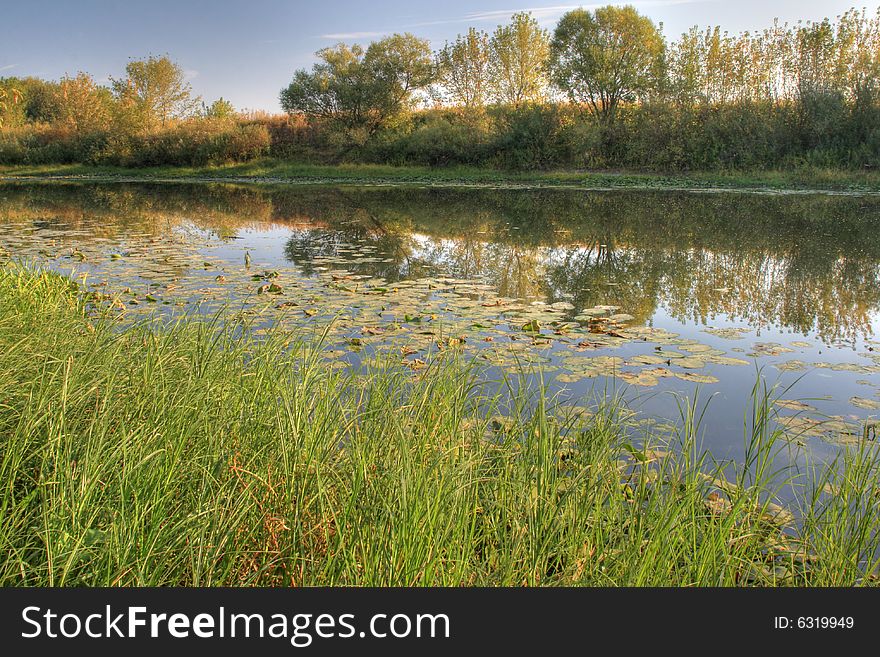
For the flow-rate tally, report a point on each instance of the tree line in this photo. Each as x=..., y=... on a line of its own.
x=152, y=93
x=595, y=60
x=604, y=88
x=148, y=116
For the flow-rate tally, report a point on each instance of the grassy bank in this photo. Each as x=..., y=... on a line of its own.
x=194, y=455
x=271, y=171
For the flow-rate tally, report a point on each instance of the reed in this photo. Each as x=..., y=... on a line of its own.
x=194, y=454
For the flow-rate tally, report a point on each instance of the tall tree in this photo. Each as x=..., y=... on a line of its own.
x=40, y=100
x=685, y=66
x=82, y=104
x=606, y=57
x=10, y=98
x=397, y=67
x=155, y=90
x=28, y=99
x=358, y=91
x=858, y=60
x=463, y=69
x=519, y=54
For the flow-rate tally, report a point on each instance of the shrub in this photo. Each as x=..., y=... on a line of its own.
x=292, y=137
x=440, y=140
x=194, y=143
x=197, y=143
x=43, y=144
x=530, y=137
x=824, y=130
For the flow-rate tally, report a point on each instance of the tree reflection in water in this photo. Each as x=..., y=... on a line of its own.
x=808, y=263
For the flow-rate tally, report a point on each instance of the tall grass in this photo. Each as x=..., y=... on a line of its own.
x=745, y=138
x=194, y=455
x=202, y=142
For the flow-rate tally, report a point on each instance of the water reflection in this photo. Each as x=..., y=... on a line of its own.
x=804, y=263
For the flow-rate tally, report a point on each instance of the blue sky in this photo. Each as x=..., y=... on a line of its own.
x=247, y=51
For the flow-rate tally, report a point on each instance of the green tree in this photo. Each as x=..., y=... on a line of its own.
x=685, y=62
x=463, y=69
x=10, y=98
x=82, y=104
x=605, y=58
x=359, y=91
x=398, y=66
x=858, y=60
x=28, y=100
x=518, y=56
x=40, y=100
x=220, y=109
x=155, y=91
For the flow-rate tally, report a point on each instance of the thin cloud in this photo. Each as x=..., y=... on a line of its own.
x=547, y=13
x=7, y=67
x=543, y=15
x=341, y=36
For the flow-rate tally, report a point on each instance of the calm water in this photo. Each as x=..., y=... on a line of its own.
x=658, y=296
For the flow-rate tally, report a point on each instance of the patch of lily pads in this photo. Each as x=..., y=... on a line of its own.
x=358, y=315
x=728, y=333
x=834, y=429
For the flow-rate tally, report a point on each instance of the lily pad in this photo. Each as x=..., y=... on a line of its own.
x=693, y=377
x=794, y=405
x=696, y=348
x=791, y=365
x=862, y=402
x=593, y=312
x=728, y=333
x=725, y=360
x=647, y=359
x=769, y=349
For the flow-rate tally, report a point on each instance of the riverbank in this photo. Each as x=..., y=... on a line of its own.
x=279, y=172
x=196, y=454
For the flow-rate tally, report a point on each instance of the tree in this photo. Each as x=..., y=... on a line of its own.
x=155, y=90
x=463, y=69
x=605, y=58
x=28, y=100
x=519, y=54
x=81, y=103
x=10, y=97
x=358, y=91
x=686, y=70
x=40, y=100
x=220, y=109
x=858, y=38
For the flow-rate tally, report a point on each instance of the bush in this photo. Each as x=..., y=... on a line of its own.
x=824, y=130
x=194, y=143
x=530, y=138
x=12, y=148
x=439, y=140
x=292, y=137
x=583, y=142
x=199, y=143
x=40, y=144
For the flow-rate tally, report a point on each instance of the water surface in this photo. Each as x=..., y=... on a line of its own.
x=656, y=296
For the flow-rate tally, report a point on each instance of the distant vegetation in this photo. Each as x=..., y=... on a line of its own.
x=604, y=89
x=147, y=117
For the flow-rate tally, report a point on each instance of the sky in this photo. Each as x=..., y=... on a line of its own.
x=246, y=51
